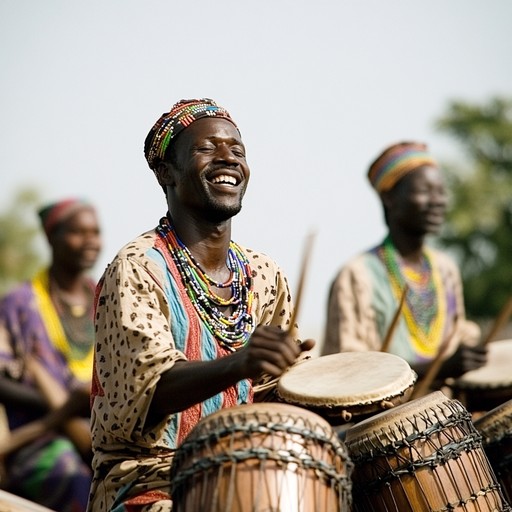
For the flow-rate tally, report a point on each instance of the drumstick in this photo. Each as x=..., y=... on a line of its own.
x=424, y=385
x=394, y=322
x=500, y=321
x=308, y=245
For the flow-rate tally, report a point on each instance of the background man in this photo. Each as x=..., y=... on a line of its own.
x=46, y=355
x=366, y=292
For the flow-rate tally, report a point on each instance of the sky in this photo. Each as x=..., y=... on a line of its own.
x=317, y=89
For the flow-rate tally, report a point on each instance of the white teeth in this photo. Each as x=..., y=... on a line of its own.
x=229, y=180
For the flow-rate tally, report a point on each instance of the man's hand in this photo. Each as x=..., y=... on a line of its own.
x=464, y=360
x=270, y=350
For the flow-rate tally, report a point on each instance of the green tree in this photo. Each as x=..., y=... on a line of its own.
x=20, y=255
x=479, y=225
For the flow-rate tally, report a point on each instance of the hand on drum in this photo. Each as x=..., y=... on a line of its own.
x=464, y=360
x=271, y=350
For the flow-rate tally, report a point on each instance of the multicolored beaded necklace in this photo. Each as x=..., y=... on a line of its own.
x=233, y=331
x=425, y=303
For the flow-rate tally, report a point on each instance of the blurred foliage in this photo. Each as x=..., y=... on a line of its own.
x=20, y=256
x=479, y=225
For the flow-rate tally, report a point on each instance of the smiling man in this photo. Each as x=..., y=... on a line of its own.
x=365, y=294
x=187, y=320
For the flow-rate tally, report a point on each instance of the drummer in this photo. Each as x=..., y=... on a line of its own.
x=187, y=320
x=366, y=292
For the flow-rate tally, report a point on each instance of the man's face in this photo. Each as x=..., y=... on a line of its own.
x=76, y=243
x=417, y=203
x=210, y=172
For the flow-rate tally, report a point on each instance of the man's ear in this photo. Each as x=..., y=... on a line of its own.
x=165, y=174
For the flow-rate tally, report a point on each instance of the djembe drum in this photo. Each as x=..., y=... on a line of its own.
x=489, y=386
x=340, y=387
x=259, y=458
x=425, y=455
x=496, y=430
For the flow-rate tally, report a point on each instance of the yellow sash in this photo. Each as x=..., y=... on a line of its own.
x=81, y=368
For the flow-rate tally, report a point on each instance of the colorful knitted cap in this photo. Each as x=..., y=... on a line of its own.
x=170, y=124
x=396, y=161
x=54, y=214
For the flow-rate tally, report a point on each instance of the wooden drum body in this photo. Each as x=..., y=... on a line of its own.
x=496, y=430
x=425, y=455
x=491, y=385
x=259, y=458
x=341, y=386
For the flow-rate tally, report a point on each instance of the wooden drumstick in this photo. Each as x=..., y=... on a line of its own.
x=308, y=245
x=394, y=321
x=270, y=384
x=77, y=429
x=500, y=321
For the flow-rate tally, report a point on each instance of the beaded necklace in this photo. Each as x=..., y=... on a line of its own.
x=79, y=329
x=231, y=331
x=425, y=304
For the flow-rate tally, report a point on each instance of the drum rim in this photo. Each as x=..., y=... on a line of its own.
x=425, y=404
x=263, y=408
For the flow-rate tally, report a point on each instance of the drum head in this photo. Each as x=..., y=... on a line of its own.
x=346, y=380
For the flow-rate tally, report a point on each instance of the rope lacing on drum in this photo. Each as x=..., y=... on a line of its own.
x=387, y=440
x=282, y=456
x=490, y=489
x=274, y=426
x=391, y=452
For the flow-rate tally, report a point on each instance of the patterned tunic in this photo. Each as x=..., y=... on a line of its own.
x=145, y=323
x=361, y=307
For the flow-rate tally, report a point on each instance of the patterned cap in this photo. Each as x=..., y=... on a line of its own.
x=54, y=214
x=170, y=124
x=396, y=161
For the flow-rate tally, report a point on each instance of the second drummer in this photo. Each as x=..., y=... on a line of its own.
x=366, y=292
